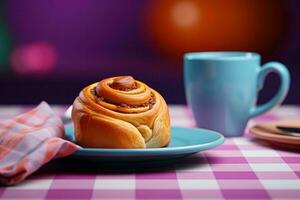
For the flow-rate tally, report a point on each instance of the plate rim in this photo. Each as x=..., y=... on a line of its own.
x=271, y=137
x=169, y=150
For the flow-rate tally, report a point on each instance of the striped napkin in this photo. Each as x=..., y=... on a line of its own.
x=30, y=140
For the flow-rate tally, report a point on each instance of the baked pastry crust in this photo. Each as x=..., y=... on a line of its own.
x=120, y=112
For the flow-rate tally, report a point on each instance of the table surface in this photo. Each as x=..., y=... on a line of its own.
x=241, y=168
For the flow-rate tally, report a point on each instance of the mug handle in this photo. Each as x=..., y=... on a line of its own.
x=284, y=75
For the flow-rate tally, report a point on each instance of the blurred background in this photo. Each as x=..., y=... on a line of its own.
x=50, y=50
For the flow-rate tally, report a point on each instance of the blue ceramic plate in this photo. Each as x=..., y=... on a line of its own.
x=184, y=141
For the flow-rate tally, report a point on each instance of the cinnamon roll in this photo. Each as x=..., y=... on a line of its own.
x=121, y=112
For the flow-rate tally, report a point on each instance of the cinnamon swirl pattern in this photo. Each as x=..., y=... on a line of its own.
x=121, y=112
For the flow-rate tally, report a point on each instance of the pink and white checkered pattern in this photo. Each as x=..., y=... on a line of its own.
x=30, y=140
x=242, y=168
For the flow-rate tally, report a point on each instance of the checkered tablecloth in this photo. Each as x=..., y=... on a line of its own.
x=242, y=168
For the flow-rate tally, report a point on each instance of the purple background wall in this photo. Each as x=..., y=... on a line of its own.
x=95, y=39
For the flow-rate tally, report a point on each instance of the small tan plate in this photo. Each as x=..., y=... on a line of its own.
x=271, y=134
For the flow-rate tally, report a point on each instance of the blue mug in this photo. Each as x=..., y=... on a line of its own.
x=221, y=88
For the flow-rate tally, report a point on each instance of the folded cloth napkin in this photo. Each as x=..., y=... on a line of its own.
x=30, y=140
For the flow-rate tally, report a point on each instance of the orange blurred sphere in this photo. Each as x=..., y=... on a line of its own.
x=179, y=26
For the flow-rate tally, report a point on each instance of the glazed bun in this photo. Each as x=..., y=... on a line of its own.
x=121, y=112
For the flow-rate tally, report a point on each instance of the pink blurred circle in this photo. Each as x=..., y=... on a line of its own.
x=34, y=58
